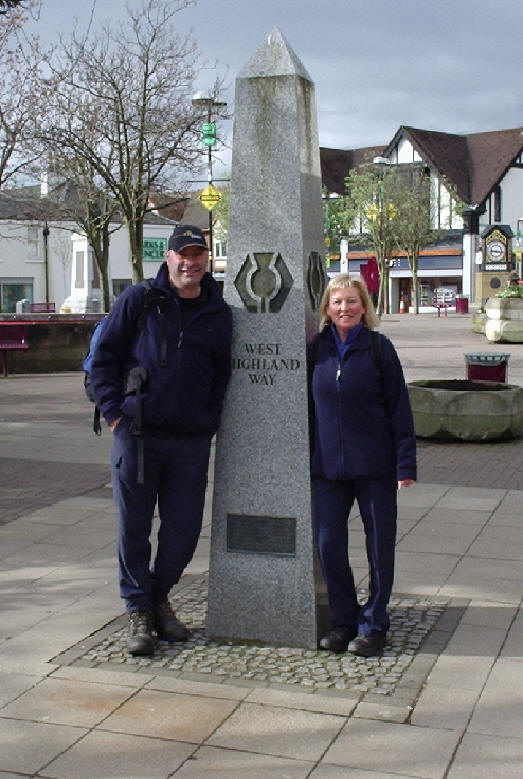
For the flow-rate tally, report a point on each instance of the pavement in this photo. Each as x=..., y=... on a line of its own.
x=444, y=702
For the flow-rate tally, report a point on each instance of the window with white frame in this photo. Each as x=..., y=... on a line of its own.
x=33, y=242
x=220, y=249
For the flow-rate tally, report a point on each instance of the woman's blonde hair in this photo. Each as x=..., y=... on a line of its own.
x=342, y=281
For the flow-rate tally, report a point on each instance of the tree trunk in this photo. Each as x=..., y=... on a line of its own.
x=135, y=232
x=413, y=262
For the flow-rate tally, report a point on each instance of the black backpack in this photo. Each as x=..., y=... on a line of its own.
x=153, y=295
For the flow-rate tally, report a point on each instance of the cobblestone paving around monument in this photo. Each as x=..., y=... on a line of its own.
x=412, y=619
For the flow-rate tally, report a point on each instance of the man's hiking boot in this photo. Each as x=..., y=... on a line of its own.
x=140, y=640
x=168, y=626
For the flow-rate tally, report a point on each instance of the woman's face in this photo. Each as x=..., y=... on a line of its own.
x=345, y=309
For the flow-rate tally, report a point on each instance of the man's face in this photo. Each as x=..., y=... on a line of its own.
x=186, y=269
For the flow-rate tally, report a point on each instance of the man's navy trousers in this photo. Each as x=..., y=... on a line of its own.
x=175, y=477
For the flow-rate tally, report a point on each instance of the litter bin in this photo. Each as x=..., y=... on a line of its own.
x=462, y=304
x=487, y=366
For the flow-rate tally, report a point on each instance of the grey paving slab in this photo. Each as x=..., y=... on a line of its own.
x=500, y=542
x=488, y=757
x=226, y=763
x=400, y=749
x=487, y=580
x=105, y=675
x=471, y=499
x=66, y=702
x=445, y=518
x=26, y=747
x=418, y=582
x=419, y=496
x=471, y=640
x=117, y=755
x=334, y=772
x=428, y=562
x=444, y=708
x=389, y=711
x=461, y=672
x=500, y=708
x=203, y=689
x=440, y=538
x=513, y=647
x=301, y=735
x=304, y=701
x=13, y=685
x=170, y=716
x=490, y=615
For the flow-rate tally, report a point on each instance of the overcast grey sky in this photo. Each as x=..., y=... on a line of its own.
x=449, y=65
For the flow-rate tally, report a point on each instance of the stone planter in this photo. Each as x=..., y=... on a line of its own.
x=504, y=321
x=460, y=409
x=478, y=321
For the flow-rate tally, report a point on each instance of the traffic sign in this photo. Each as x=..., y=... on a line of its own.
x=210, y=197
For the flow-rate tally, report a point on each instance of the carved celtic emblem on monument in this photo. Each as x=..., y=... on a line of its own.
x=263, y=282
x=315, y=280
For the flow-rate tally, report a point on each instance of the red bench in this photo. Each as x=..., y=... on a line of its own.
x=42, y=308
x=12, y=338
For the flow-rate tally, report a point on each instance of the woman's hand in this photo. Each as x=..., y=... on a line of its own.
x=405, y=483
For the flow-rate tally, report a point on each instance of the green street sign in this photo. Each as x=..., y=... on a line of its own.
x=154, y=249
x=209, y=133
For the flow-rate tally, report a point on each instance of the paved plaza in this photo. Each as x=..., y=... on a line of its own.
x=444, y=702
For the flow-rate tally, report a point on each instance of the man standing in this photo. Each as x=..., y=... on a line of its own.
x=159, y=376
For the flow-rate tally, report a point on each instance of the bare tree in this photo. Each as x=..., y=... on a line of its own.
x=121, y=102
x=8, y=5
x=20, y=91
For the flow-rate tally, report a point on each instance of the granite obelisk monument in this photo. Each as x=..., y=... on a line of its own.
x=264, y=584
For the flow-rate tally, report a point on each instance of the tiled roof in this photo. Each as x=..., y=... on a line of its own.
x=475, y=163
x=336, y=163
x=490, y=155
x=26, y=204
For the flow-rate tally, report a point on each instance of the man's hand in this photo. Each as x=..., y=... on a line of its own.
x=405, y=483
x=114, y=424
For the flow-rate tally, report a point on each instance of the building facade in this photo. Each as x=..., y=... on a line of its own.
x=485, y=171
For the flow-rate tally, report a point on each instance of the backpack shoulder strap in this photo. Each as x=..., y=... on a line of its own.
x=376, y=348
x=313, y=350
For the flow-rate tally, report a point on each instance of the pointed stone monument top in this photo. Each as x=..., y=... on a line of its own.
x=274, y=57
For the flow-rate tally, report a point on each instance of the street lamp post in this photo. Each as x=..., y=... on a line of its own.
x=208, y=130
x=381, y=164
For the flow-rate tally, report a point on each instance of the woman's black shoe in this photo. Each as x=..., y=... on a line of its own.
x=367, y=646
x=337, y=640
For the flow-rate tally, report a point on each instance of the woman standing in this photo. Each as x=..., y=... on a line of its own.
x=364, y=449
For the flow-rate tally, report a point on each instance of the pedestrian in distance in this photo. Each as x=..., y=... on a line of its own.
x=159, y=376
x=363, y=448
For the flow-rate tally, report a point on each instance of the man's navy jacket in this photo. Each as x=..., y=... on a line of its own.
x=187, y=366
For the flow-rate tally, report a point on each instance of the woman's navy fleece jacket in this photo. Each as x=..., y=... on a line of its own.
x=186, y=386
x=363, y=425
